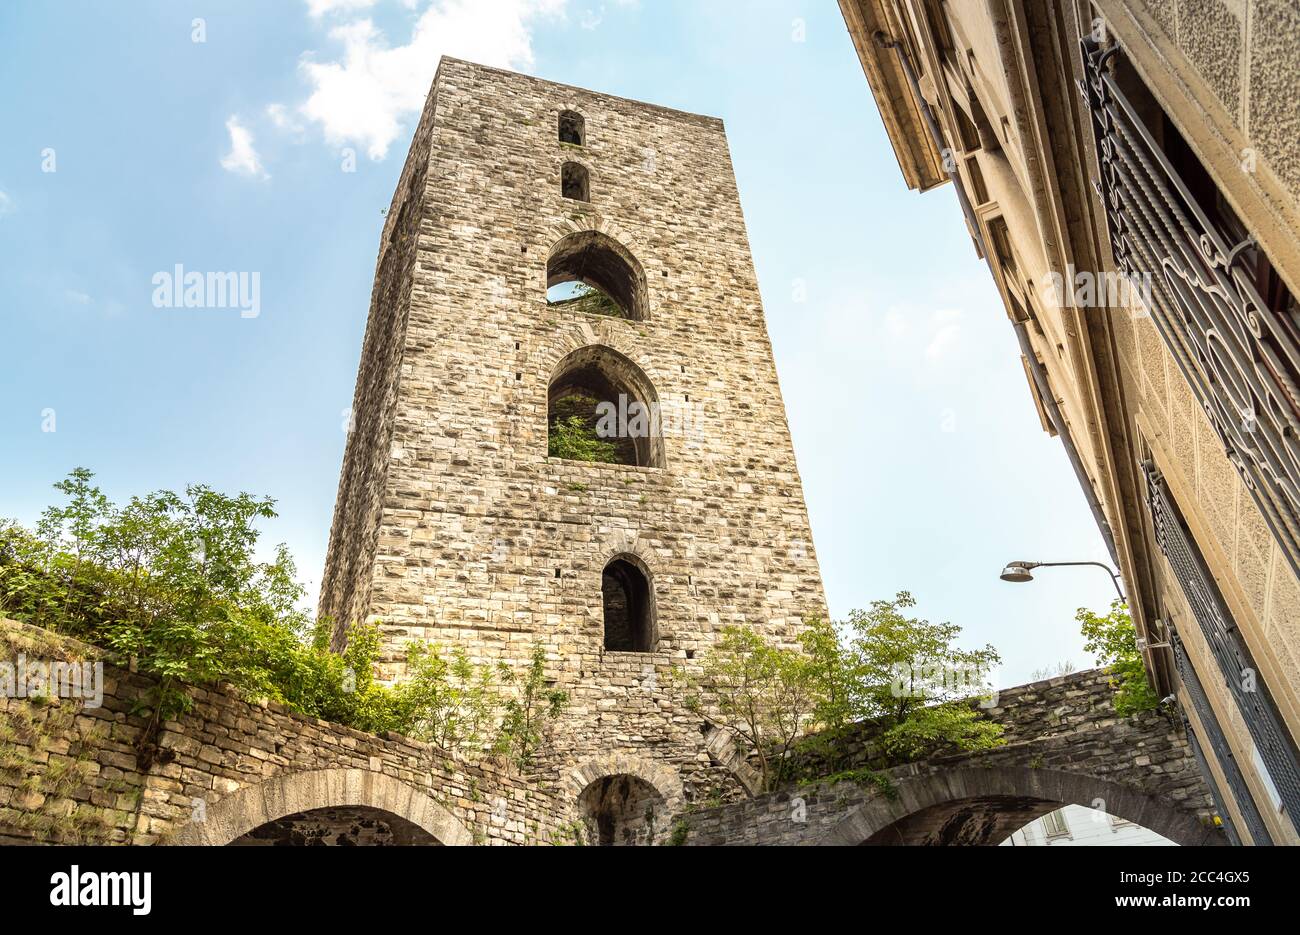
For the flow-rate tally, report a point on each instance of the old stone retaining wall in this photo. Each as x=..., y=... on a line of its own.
x=1065, y=745
x=69, y=772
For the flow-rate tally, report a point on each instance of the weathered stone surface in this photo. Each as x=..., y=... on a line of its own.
x=1064, y=745
x=452, y=523
x=204, y=791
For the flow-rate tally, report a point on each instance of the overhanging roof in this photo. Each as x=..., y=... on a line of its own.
x=916, y=154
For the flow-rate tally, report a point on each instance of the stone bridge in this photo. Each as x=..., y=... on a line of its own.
x=231, y=771
x=1065, y=746
x=235, y=772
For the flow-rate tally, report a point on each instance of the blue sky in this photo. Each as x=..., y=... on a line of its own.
x=923, y=461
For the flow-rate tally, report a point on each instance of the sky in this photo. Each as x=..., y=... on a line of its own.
x=219, y=135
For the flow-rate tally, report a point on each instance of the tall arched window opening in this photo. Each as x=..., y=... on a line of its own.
x=575, y=181
x=602, y=407
x=589, y=271
x=628, y=607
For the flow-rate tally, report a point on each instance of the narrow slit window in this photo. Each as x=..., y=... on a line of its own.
x=572, y=128
x=575, y=181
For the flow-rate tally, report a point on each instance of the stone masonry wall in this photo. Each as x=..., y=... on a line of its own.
x=354, y=533
x=70, y=773
x=1062, y=739
x=487, y=543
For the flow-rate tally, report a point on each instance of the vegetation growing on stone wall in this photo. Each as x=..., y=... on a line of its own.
x=572, y=432
x=764, y=695
x=1113, y=639
x=902, y=675
x=529, y=712
x=46, y=763
x=170, y=582
x=863, y=777
x=589, y=299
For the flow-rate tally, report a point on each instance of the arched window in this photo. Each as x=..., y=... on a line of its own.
x=628, y=606
x=592, y=272
x=572, y=128
x=602, y=407
x=575, y=182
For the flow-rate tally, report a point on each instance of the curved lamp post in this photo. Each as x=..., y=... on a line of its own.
x=1020, y=572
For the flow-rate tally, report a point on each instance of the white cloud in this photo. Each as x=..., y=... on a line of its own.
x=279, y=116
x=945, y=331
x=365, y=96
x=318, y=8
x=242, y=158
x=285, y=120
x=6, y=203
x=80, y=298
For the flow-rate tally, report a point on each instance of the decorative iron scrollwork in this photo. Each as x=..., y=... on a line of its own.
x=1240, y=357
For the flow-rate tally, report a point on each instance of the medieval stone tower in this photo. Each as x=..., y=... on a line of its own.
x=454, y=525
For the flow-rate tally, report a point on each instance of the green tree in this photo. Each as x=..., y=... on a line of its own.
x=172, y=581
x=907, y=676
x=764, y=695
x=447, y=700
x=1112, y=638
x=593, y=301
x=903, y=675
x=529, y=712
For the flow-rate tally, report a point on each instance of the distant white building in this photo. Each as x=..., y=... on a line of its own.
x=1076, y=826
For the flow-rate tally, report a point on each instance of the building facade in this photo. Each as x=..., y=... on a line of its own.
x=1076, y=826
x=456, y=521
x=1128, y=168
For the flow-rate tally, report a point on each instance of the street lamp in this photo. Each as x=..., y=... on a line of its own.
x=1020, y=572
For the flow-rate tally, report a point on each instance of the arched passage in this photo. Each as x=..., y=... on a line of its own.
x=982, y=806
x=342, y=826
x=292, y=794
x=601, y=263
x=602, y=407
x=622, y=811
x=621, y=799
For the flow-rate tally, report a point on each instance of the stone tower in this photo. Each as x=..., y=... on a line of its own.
x=454, y=525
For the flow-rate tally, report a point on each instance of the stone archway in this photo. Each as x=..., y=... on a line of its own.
x=289, y=794
x=614, y=397
x=622, y=799
x=339, y=826
x=983, y=805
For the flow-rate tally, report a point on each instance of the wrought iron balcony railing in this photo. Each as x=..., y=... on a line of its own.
x=1233, y=658
x=1240, y=356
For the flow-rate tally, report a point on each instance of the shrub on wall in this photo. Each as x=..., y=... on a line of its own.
x=170, y=581
x=1113, y=639
x=880, y=667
